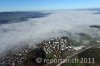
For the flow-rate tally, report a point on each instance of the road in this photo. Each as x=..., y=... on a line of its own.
x=76, y=53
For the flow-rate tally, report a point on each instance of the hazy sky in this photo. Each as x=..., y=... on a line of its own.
x=23, y=5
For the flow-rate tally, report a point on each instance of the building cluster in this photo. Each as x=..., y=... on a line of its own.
x=59, y=47
x=14, y=57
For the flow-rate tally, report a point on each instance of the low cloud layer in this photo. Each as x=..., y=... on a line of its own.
x=56, y=24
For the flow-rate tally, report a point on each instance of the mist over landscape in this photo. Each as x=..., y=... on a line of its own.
x=48, y=24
